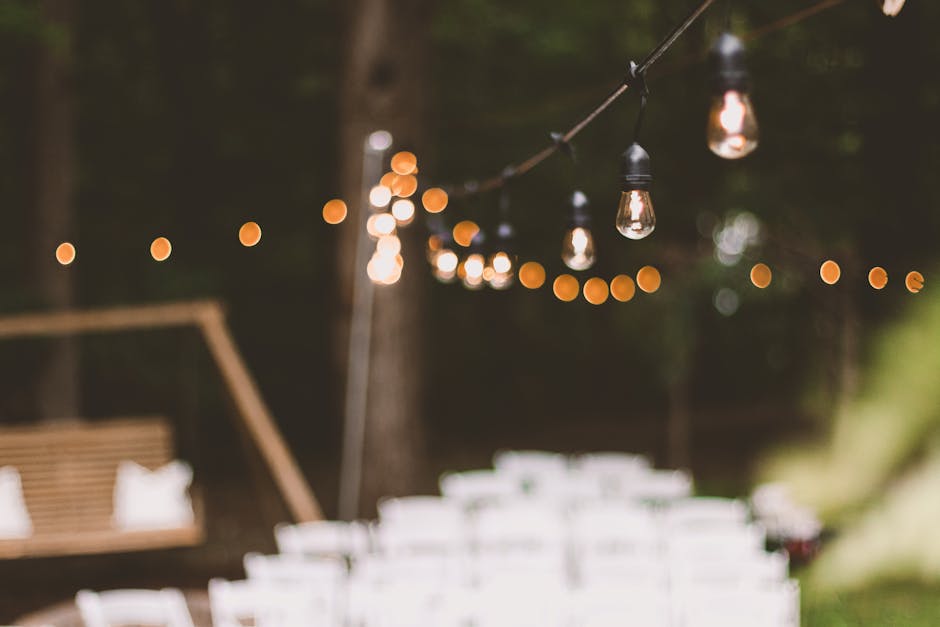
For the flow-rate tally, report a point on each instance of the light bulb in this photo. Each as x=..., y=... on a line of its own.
x=501, y=265
x=891, y=7
x=473, y=267
x=732, y=125
x=577, y=248
x=635, y=216
x=444, y=267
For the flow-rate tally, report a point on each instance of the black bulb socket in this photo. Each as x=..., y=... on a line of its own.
x=580, y=216
x=729, y=69
x=636, y=169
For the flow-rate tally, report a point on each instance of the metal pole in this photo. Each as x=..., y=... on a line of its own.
x=360, y=336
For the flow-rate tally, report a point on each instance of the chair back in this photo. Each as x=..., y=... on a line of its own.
x=114, y=608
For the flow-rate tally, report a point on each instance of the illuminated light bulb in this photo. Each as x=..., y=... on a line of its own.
x=622, y=288
x=732, y=125
x=595, y=291
x=532, y=275
x=891, y=7
x=160, y=249
x=761, y=276
x=65, y=253
x=383, y=269
x=388, y=180
x=648, y=279
x=445, y=265
x=914, y=282
x=465, y=231
x=503, y=262
x=577, y=246
x=404, y=162
x=635, y=216
x=388, y=246
x=877, y=277
x=379, y=140
x=380, y=196
x=434, y=200
x=334, y=211
x=566, y=288
x=249, y=234
x=830, y=272
x=404, y=211
x=473, y=267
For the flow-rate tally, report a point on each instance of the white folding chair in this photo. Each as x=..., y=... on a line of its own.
x=421, y=524
x=614, y=527
x=611, y=605
x=715, y=543
x=658, y=486
x=408, y=604
x=705, y=512
x=322, y=580
x=479, y=487
x=614, y=471
x=760, y=568
x=165, y=607
x=532, y=468
x=644, y=571
x=265, y=604
x=739, y=606
x=323, y=538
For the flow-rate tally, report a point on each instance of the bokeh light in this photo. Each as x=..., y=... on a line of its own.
x=648, y=279
x=334, y=211
x=914, y=281
x=388, y=180
x=595, y=291
x=380, y=140
x=384, y=224
x=403, y=210
x=249, y=234
x=388, y=245
x=434, y=200
x=404, y=162
x=532, y=275
x=65, y=253
x=830, y=272
x=160, y=249
x=622, y=288
x=465, y=231
x=380, y=196
x=877, y=277
x=405, y=185
x=761, y=276
x=566, y=288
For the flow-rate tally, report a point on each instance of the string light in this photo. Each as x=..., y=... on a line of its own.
x=334, y=211
x=761, y=276
x=648, y=279
x=830, y=272
x=635, y=216
x=596, y=291
x=160, y=249
x=732, y=125
x=65, y=253
x=891, y=7
x=388, y=245
x=380, y=196
x=403, y=211
x=249, y=234
x=380, y=224
x=577, y=246
x=532, y=275
x=877, y=277
x=622, y=288
x=404, y=162
x=405, y=185
x=566, y=288
x=434, y=200
x=465, y=231
x=914, y=281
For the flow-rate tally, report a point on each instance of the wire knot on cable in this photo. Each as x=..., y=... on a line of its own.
x=636, y=79
x=562, y=145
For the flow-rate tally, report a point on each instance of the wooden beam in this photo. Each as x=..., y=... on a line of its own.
x=208, y=316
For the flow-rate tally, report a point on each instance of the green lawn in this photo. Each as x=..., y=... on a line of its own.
x=888, y=605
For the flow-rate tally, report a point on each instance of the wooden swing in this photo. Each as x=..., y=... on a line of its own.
x=68, y=469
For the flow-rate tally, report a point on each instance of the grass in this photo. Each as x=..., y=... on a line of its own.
x=885, y=605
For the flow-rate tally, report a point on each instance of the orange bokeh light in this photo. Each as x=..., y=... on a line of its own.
x=532, y=275
x=405, y=185
x=830, y=272
x=595, y=291
x=914, y=281
x=160, y=249
x=622, y=288
x=566, y=288
x=334, y=211
x=877, y=277
x=249, y=234
x=434, y=200
x=465, y=231
x=65, y=253
x=761, y=275
x=404, y=162
x=648, y=279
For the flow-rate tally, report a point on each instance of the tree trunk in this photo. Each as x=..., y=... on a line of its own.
x=384, y=89
x=58, y=385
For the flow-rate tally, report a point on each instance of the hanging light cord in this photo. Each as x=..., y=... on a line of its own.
x=560, y=140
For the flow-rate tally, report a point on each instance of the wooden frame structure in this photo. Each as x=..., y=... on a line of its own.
x=209, y=318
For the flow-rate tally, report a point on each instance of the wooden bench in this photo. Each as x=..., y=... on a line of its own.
x=68, y=472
